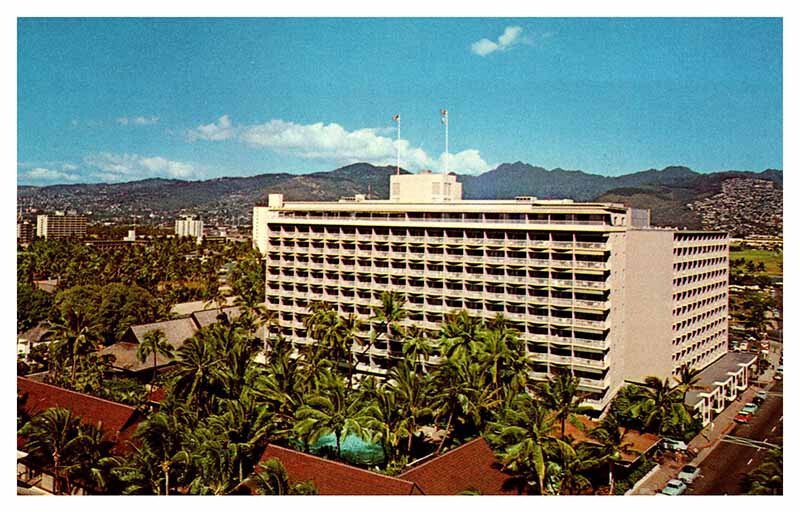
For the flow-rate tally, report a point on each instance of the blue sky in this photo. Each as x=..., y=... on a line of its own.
x=124, y=99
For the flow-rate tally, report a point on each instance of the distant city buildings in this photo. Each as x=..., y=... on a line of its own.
x=592, y=288
x=25, y=232
x=60, y=226
x=189, y=225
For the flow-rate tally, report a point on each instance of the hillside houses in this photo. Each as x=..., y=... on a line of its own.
x=744, y=207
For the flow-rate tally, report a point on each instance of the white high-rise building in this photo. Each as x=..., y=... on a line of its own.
x=189, y=225
x=591, y=287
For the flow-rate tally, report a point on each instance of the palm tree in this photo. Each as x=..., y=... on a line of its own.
x=659, y=407
x=246, y=425
x=687, y=378
x=270, y=478
x=412, y=394
x=196, y=372
x=76, y=337
x=460, y=335
x=162, y=438
x=417, y=347
x=502, y=353
x=465, y=396
x=387, y=421
x=610, y=445
x=523, y=437
x=560, y=394
x=283, y=386
x=155, y=343
x=328, y=411
x=55, y=438
x=389, y=315
x=571, y=466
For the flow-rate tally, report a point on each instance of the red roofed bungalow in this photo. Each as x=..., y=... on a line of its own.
x=472, y=467
x=335, y=478
x=116, y=421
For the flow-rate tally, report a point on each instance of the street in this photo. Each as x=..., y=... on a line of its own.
x=724, y=470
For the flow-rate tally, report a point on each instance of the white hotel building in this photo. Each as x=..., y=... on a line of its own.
x=590, y=287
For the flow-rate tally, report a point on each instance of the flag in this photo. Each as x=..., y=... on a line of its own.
x=396, y=117
x=444, y=116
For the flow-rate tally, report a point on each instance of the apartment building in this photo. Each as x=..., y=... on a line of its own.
x=189, y=225
x=60, y=226
x=591, y=287
x=25, y=231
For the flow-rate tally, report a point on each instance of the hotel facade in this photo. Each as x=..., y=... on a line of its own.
x=591, y=287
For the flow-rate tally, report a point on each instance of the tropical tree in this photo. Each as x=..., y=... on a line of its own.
x=245, y=425
x=465, y=396
x=687, y=378
x=767, y=479
x=160, y=452
x=523, y=438
x=197, y=371
x=660, y=407
x=569, y=468
x=502, y=353
x=417, y=347
x=460, y=335
x=154, y=343
x=75, y=337
x=560, y=394
x=330, y=411
x=387, y=421
x=56, y=439
x=609, y=445
x=412, y=390
x=389, y=315
x=270, y=478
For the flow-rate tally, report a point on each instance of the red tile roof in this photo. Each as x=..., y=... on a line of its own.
x=470, y=467
x=641, y=442
x=335, y=478
x=117, y=421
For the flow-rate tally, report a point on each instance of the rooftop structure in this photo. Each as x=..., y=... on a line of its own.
x=591, y=287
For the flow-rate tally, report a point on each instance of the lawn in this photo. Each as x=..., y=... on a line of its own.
x=773, y=261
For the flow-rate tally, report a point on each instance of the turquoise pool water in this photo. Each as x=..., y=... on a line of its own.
x=354, y=449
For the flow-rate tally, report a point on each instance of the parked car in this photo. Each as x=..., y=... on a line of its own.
x=674, y=488
x=689, y=473
x=743, y=417
x=762, y=395
x=750, y=408
x=673, y=444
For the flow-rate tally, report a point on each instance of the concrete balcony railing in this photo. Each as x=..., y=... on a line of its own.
x=590, y=245
x=596, y=304
x=517, y=243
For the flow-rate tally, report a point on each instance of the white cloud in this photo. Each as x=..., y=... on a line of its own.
x=222, y=129
x=507, y=40
x=139, y=120
x=45, y=174
x=127, y=167
x=332, y=142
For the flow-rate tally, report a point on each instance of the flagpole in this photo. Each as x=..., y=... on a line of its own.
x=446, y=148
x=398, y=144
